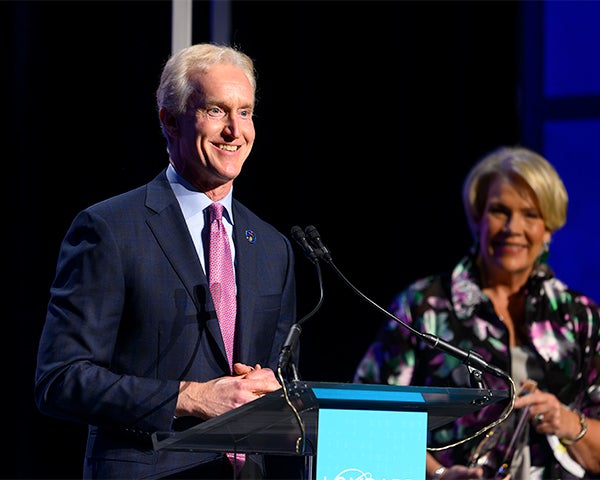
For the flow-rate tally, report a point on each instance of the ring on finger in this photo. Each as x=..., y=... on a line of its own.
x=539, y=418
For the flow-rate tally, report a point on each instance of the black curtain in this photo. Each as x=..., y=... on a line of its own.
x=369, y=116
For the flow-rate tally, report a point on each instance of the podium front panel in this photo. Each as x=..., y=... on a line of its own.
x=377, y=444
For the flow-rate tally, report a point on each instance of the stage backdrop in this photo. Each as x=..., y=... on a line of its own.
x=369, y=116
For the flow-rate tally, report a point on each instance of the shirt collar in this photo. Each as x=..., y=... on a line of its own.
x=193, y=201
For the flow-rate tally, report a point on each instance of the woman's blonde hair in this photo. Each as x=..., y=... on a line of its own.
x=513, y=163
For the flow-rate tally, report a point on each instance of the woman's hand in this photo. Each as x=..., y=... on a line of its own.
x=548, y=415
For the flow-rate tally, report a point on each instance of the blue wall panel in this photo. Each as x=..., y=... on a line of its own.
x=569, y=129
x=572, y=48
x=574, y=149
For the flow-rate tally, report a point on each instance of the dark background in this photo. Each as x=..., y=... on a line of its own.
x=369, y=116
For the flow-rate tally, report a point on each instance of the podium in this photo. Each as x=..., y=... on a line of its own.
x=351, y=430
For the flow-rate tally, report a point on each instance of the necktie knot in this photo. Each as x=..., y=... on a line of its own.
x=215, y=211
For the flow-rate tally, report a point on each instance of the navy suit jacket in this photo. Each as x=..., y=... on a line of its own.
x=130, y=315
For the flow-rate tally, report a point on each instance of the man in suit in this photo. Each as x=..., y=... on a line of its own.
x=132, y=344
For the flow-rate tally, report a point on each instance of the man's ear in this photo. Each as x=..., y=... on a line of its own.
x=168, y=120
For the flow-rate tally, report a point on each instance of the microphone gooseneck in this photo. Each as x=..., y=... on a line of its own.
x=295, y=330
x=471, y=359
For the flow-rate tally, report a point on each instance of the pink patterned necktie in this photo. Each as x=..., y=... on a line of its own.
x=221, y=279
x=222, y=288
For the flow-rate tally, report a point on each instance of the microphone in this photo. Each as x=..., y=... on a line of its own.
x=471, y=359
x=300, y=237
x=295, y=330
x=315, y=239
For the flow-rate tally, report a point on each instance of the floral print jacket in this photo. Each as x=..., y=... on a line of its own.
x=563, y=327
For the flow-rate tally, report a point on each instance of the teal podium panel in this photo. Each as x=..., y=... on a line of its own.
x=371, y=444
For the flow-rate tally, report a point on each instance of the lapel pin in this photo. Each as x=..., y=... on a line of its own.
x=250, y=236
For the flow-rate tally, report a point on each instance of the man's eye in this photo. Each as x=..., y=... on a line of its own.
x=246, y=113
x=215, y=112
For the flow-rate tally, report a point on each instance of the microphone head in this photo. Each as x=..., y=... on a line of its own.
x=300, y=237
x=312, y=232
x=296, y=232
x=315, y=239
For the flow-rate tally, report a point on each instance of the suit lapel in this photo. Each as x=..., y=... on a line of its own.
x=171, y=232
